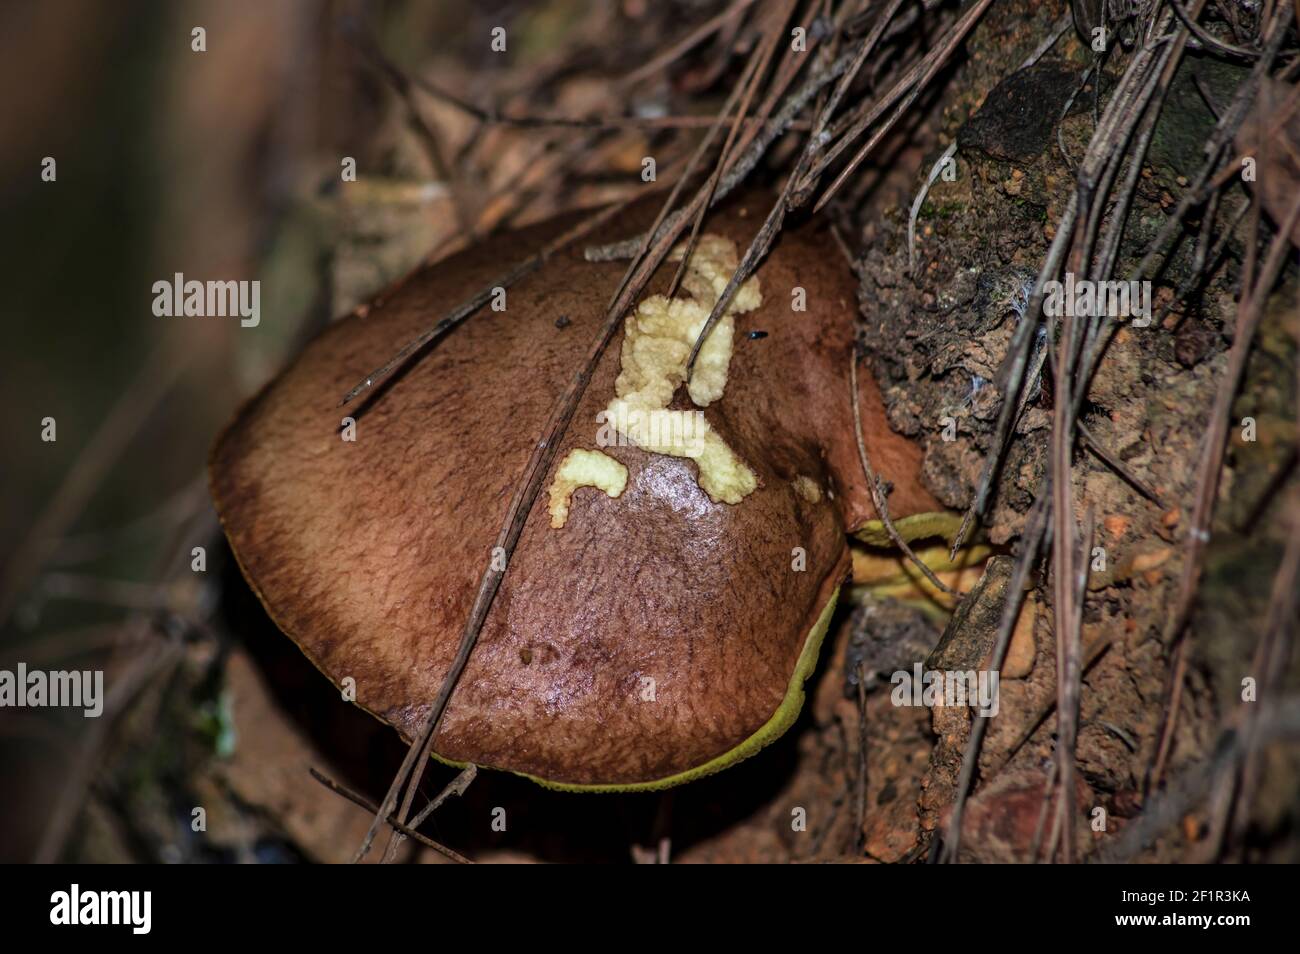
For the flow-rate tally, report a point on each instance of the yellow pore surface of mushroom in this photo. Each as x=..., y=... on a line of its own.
x=583, y=468
x=657, y=344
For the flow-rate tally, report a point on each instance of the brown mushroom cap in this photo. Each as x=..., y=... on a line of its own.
x=655, y=637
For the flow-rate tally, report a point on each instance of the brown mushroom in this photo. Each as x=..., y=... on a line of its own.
x=650, y=633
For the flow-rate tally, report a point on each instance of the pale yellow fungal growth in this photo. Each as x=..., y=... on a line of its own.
x=657, y=343
x=807, y=488
x=583, y=468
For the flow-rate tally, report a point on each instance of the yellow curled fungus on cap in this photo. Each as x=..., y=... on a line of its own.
x=583, y=468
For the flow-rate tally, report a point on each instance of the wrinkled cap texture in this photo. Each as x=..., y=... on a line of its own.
x=654, y=637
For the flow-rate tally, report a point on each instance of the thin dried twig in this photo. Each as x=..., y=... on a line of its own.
x=904, y=92
x=1049, y=786
x=627, y=248
x=860, y=784
x=1117, y=465
x=468, y=307
x=686, y=43
x=682, y=180
x=1211, y=42
x=1062, y=25
x=1063, y=553
x=1069, y=633
x=1012, y=374
x=456, y=786
x=935, y=170
x=749, y=83
x=407, y=831
x=799, y=184
x=877, y=491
